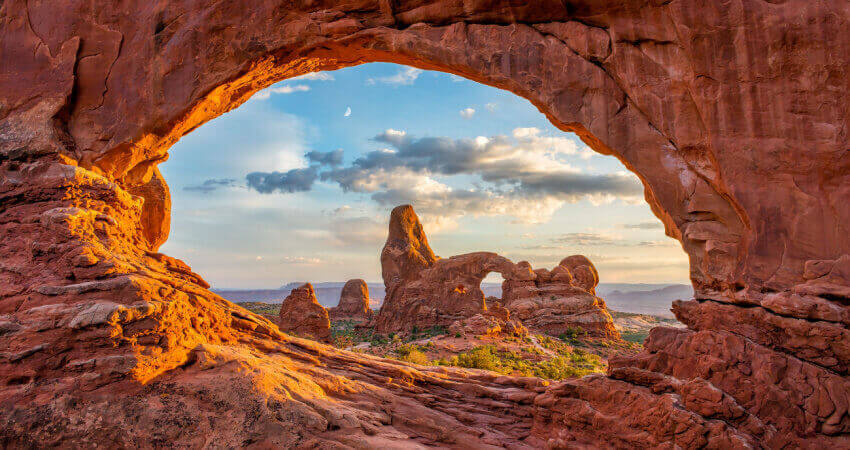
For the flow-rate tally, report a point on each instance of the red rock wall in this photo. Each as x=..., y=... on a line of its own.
x=733, y=114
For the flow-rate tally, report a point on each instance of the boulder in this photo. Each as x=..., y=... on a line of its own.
x=302, y=315
x=353, y=302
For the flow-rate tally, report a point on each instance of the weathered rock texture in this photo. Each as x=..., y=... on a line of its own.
x=302, y=315
x=423, y=290
x=553, y=302
x=353, y=302
x=733, y=114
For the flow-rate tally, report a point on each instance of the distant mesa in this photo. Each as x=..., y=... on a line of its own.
x=354, y=302
x=424, y=290
x=302, y=315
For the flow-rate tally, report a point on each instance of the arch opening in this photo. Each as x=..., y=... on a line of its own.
x=292, y=204
x=689, y=196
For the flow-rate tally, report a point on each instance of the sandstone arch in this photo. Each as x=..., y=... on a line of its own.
x=731, y=114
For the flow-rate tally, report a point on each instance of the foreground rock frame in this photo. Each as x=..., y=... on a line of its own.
x=732, y=114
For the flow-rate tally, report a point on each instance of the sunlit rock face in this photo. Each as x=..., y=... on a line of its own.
x=302, y=315
x=732, y=114
x=353, y=302
x=423, y=290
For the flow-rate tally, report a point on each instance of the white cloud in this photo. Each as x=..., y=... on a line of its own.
x=347, y=112
x=265, y=94
x=299, y=260
x=467, y=113
x=526, y=175
x=256, y=135
x=290, y=89
x=404, y=76
x=341, y=210
x=314, y=76
x=491, y=107
x=456, y=78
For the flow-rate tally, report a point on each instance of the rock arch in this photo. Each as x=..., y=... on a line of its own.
x=731, y=115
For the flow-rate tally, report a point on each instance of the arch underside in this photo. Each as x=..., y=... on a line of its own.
x=730, y=115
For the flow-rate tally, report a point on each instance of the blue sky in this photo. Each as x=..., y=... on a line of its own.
x=297, y=183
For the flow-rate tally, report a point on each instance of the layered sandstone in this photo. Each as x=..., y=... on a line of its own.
x=302, y=315
x=353, y=302
x=556, y=301
x=732, y=115
x=423, y=290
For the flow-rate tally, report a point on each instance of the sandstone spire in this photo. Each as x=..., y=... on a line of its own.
x=301, y=314
x=406, y=251
x=353, y=301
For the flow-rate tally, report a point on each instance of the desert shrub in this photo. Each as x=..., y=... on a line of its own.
x=481, y=357
x=635, y=336
x=559, y=368
x=416, y=333
x=572, y=333
x=568, y=364
x=343, y=334
x=412, y=354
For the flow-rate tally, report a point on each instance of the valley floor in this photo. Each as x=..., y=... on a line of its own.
x=570, y=355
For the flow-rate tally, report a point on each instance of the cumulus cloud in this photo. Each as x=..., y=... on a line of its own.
x=467, y=113
x=357, y=231
x=491, y=107
x=405, y=76
x=347, y=112
x=211, y=185
x=525, y=175
x=525, y=164
x=332, y=158
x=295, y=180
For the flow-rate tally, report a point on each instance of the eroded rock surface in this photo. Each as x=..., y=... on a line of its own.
x=302, y=315
x=353, y=302
x=732, y=114
x=425, y=291
x=556, y=301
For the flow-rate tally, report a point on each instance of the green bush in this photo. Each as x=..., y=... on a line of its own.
x=481, y=357
x=412, y=354
x=573, y=364
x=635, y=336
x=572, y=333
